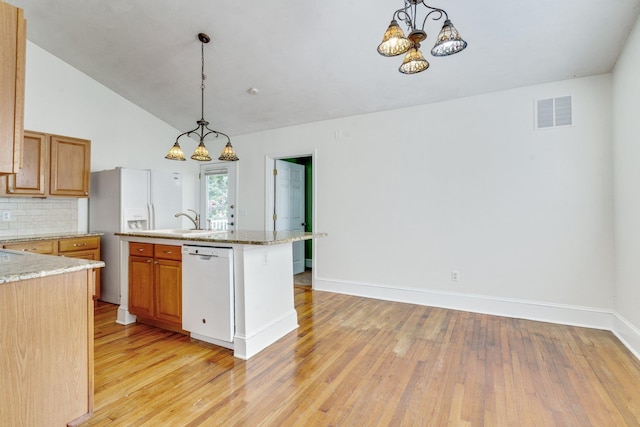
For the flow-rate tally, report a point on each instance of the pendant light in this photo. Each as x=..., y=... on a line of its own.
x=202, y=130
x=395, y=43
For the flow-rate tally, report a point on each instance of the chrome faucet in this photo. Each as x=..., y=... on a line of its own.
x=195, y=221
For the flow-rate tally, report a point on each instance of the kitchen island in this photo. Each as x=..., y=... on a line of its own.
x=46, y=339
x=262, y=274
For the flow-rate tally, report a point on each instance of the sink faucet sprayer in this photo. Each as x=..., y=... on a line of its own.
x=195, y=221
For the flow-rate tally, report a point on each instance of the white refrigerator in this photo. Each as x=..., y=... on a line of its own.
x=122, y=200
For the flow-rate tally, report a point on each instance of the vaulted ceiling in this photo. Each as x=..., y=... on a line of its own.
x=312, y=61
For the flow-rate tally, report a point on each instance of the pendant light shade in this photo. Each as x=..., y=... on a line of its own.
x=175, y=153
x=394, y=42
x=201, y=154
x=449, y=41
x=414, y=61
x=202, y=130
x=228, y=153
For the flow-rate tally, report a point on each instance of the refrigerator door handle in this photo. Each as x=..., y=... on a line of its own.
x=152, y=216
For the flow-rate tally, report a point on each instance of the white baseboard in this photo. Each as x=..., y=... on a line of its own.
x=248, y=346
x=588, y=317
x=124, y=317
x=628, y=334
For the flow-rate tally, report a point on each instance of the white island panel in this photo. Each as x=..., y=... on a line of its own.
x=265, y=310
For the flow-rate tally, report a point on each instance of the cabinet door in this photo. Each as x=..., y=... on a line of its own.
x=32, y=179
x=70, y=166
x=93, y=255
x=12, y=70
x=141, y=286
x=168, y=281
x=85, y=248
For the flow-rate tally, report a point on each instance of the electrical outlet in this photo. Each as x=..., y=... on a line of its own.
x=6, y=216
x=455, y=276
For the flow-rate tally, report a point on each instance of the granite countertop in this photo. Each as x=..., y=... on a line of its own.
x=244, y=237
x=15, y=266
x=31, y=238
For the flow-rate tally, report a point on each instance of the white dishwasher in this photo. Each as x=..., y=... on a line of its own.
x=207, y=294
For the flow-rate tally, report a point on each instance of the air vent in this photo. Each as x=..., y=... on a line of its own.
x=554, y=112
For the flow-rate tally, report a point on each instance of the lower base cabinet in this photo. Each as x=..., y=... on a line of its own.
x=46, y=362
x=85, y=247
x=155, y=284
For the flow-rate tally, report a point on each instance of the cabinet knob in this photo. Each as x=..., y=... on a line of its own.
x=148, y=261
x=80, y=244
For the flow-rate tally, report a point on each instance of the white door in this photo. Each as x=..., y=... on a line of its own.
x=289, y=205
x=218, y=196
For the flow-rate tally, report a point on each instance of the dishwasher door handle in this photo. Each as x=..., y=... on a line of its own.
x=205, y=257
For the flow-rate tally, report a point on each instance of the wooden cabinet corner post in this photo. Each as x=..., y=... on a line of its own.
x=13, y=39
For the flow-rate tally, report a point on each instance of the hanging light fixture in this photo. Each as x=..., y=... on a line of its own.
x=202, y=130
x=395, y=43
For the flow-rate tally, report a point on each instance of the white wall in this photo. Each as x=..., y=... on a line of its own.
x=59, y=99
x=626, y=95
x=406, y=195
x=409, y=195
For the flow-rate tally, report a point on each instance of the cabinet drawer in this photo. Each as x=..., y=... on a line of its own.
x=78, y=244
x=36, y=247
x=88, y=254
x=140, y=249
x=168, y=252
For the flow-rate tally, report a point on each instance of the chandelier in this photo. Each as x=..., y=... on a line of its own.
x=202, y=130
x=395, y=43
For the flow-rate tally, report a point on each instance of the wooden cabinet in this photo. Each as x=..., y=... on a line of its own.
x=70, y=166
x=155, y=284
x=13, y=38
x=47, y=350
x=141, y=286
x=53, y=165
x=85, y=247
x=32, y=179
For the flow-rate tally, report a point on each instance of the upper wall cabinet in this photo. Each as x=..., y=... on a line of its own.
x=32, y=179
x=13, y=37
x=70, y=167
x=54, y=165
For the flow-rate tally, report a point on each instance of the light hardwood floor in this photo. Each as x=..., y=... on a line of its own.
x=362, y=362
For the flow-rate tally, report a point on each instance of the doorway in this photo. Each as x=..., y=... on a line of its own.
x=290, y=205
x=218, y=195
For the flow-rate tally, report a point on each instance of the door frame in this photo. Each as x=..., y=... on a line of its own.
x=269, y=192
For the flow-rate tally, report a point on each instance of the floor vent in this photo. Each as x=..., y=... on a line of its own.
x=554, y=112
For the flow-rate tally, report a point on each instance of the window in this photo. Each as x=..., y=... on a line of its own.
x=218, y=195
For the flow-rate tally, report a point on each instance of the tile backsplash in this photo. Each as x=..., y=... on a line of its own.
x=29, y=217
